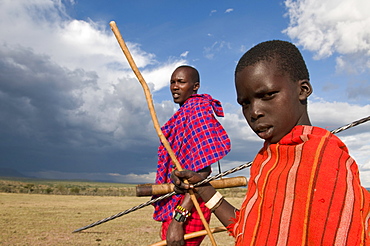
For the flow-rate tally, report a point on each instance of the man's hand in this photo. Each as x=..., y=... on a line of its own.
x=179, y=177
x=175, y=234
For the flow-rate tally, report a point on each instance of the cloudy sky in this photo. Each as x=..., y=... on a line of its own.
x=71, y=107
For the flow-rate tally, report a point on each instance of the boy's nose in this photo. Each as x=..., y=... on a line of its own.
x=255, y=111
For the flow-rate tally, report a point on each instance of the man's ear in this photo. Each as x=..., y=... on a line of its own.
x=305, y=89
x=196, y=86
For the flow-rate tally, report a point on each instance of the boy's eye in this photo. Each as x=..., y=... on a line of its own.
x=269, y=95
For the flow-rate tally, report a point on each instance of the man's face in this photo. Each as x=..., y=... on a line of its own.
x=270, y=100
x=182, y=85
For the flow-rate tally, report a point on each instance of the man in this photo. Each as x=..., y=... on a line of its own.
x=198, y=140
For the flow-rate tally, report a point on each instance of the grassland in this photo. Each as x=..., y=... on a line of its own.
x=48, y=219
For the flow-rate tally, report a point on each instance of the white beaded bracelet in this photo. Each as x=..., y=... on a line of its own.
x=214, y=200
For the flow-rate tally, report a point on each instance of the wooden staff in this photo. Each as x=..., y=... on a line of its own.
x=157, y=127
x=193, y=235
x=161, y=189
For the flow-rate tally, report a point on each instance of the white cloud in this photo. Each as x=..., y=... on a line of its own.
x=229, y=10
x=335, y=113
x=218, y=46
x=332, y=26
x=160, y=76
x=184, y=54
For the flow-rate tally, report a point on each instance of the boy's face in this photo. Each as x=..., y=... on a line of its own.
x=271, y=102
x=182, y=85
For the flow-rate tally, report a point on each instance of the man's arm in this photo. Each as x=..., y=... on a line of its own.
x=175, y=232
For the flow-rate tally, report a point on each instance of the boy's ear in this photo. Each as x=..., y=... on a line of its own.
x=305, y=89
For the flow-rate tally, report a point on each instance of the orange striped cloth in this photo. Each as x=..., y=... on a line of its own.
x=304, y=190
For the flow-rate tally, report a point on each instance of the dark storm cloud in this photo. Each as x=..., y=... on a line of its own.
x=44, y=125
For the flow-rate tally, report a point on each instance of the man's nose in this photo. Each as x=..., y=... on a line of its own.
x=175, y=86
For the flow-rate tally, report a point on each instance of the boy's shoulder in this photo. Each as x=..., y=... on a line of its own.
x=312, y=136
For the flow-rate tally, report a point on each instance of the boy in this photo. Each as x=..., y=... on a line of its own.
x=198, y=140
x=304, y=188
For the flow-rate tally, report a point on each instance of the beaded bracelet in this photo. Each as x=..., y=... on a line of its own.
x=181, y=214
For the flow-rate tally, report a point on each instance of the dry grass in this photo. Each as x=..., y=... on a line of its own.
x=34, y=219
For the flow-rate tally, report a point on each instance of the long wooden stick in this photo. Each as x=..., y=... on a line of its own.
x=161, y=189
x=157, y=127
x=193, y=235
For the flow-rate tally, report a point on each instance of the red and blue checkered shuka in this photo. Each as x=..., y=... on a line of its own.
x=197, y=139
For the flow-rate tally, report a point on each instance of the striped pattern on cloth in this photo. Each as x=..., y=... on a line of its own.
x=304, y=190
x=197, y=139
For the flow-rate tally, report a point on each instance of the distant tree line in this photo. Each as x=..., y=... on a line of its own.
x=8, y=186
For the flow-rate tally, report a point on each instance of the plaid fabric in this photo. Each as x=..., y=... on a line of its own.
x=197, y=139
x=192, y=224
x=304, y=190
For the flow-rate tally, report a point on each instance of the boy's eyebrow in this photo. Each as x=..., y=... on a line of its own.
x=265, y=88
x=262, y=90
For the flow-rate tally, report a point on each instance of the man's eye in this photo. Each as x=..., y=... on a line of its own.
x=245, y=104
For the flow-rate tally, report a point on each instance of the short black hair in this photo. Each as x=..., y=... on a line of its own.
x=287, y=56
x=195, y=73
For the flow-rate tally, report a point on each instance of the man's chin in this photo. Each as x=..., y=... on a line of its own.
x=177, y=101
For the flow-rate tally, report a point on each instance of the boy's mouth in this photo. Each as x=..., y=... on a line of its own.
x=264, y=132
x=175, y=95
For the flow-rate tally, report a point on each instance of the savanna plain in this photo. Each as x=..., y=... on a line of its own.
x=47, y=212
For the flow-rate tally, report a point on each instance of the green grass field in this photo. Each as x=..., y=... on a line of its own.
x=49, y=219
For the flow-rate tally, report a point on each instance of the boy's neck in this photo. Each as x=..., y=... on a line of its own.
x=304, y=120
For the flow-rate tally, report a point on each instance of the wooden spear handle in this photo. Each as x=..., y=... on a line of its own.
x=161, y=189
x=193, y=235
x=157, y=127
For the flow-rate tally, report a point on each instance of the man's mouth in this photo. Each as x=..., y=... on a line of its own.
x=175, y=95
